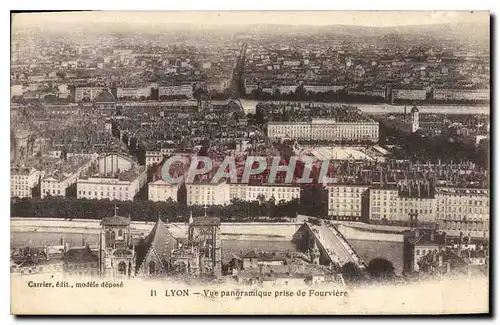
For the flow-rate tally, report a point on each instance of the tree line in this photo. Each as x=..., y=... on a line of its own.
x=73, y=208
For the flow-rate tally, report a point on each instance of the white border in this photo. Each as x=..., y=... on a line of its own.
x=193, y=5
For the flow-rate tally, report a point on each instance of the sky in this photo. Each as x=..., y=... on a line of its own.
x=317, y=18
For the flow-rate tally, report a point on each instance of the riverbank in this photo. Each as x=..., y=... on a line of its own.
x=384, y=108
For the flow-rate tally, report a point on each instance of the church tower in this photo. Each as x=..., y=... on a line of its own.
x=205, y=234
x=414, y=119
x=116, y=248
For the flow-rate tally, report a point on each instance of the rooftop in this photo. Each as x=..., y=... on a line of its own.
x=115, y=221
x=80, y=255
x=206, y=221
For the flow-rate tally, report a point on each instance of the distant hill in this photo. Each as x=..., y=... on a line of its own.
x=467, y=30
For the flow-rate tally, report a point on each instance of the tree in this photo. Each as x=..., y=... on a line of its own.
x=351, y=272
x=381, y=269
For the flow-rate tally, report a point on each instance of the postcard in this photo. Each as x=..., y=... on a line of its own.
x=250, y=162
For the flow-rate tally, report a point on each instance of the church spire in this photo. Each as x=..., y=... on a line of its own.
x=190, y=221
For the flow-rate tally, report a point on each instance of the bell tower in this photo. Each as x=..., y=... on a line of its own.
x=205, y=233
x=116, y=248
x=414, y=119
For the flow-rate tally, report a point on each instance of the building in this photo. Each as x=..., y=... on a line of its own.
x=461, y=94
x=322, y=88
x=23, y=180
x=287, y=89
x=204, y=233
x=87, y=94
x=116, y=248
x=63, y=91
x=238, y=191
x=404, y=203
x=291, y=63
x=280, y=192
x=414, y=119
x=156, y=156
x=162, y=191
x=371, y=93
x=293, y=130
x=17, y=90
x=419, y=244
x=153, y=253
x=325, y=129
x=105, y=101
x=133, y=93
x=464, y=210
x=345, y=201
x=81, y=262
x=409, y=94
x=153, y=157
x=177, y=90
x=64, y=175
x=114, y=177
x=329, y=129
x=254, y=260
x=206, y=193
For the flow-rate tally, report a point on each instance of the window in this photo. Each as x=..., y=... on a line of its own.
x=122, y=268
x=152, y=268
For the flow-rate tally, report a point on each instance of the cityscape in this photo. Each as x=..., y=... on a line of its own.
x=389, y=126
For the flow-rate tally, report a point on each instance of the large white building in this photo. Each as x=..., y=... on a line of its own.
x=238, y=191
x=387, y=204
x=285, y=192
x=64, y=175
x=409, y=94
x=22, y=181
x=134, y=93
x=345, y=201
x=206, y=193
x=461, y=94
x=223, y=193
x=294, y=130
x=113, y=177
x=325, y=129
x=322, y=88
x=455, y=210
x=161, y=190
x=178, y=90
x=465, y=210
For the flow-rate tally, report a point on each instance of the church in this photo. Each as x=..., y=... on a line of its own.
x=160, y=253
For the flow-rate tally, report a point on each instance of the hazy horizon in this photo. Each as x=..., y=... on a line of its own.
x=373, y=19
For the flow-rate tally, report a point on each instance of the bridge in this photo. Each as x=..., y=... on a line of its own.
x=333, y=247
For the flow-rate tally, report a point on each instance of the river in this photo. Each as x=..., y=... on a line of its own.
x=249, y=107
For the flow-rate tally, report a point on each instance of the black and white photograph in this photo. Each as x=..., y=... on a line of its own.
x=250, y=162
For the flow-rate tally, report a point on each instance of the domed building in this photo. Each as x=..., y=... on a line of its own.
x=105, y=101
